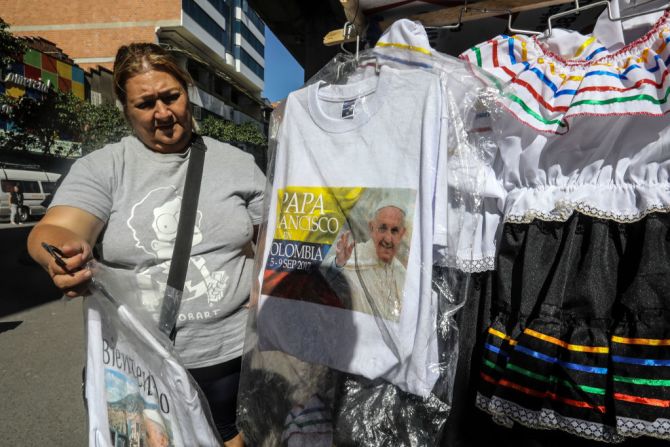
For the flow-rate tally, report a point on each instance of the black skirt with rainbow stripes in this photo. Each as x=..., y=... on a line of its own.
x=580, y=332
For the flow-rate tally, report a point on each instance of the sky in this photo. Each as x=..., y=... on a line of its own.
x=282, y=73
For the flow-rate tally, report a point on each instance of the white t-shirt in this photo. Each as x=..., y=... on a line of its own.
x=344, y=152
x=136, y=389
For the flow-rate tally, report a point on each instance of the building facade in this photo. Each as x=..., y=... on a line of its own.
x=42, y=67
x=41, y=70
x=220, y=42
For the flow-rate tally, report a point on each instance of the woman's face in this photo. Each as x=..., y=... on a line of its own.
x=158, y=111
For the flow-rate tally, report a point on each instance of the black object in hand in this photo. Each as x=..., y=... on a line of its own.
x=56, y=254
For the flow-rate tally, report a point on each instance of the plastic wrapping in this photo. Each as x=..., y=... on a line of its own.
x=137, y=390
x=295, y=389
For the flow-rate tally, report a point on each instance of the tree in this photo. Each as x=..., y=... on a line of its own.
x=34, y=124
x=101, y=125
x=93, y=126
x=218, y=129
x=38, y=123
x=11, y=47
x=249, y=133
x=229, y=132
x=33, y=119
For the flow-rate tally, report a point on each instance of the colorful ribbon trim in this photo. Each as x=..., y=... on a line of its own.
x=554, y=379
x=550, y=339
x=563, y=344
x=641, y=341
x=585, y=45
x=641, y=381
x=516, y=63
x=400, y=61
x=502, y=335
x=496, y=350
x=643, y=400
x=569, y=365
x=592, y=390
x=478, y=55
x=596, y=52
x=541, y=394
x=637, y=361
x=548, y=359
x=404, y=46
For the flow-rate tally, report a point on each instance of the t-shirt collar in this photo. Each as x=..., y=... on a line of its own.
x=370, y=93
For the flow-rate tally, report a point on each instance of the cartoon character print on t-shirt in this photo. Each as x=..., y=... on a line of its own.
x=153, y=222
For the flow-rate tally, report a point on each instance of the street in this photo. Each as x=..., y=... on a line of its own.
x=41, y=353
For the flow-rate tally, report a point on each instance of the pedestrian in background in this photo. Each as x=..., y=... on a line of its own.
x=15, y=205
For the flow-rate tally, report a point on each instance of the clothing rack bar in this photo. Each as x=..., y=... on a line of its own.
x=450, y=16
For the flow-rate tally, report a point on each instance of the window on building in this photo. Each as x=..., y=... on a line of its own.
x=221, y=87
x=222, y=7
x=251, y=63
x=204, y=20
x=96, y=98
x=197, y=112
x=195, y=70
x=252, y=40
x=258, y=23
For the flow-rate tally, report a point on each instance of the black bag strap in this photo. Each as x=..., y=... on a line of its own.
x=184, y=240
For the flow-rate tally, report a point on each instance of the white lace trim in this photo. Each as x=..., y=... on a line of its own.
x=564, y=209
x=506, y=413
x=660, y=428
x=472, y=265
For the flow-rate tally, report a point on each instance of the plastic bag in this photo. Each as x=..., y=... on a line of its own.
x=137, y=391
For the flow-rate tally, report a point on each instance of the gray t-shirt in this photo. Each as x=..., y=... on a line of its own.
x=138, y=193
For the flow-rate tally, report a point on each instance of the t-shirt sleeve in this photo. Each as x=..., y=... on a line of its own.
x=256, y=195
x=88, y=186
x=475, y=193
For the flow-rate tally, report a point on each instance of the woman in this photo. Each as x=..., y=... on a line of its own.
x=132, y=190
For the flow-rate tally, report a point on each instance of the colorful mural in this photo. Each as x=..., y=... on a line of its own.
x=39, y=70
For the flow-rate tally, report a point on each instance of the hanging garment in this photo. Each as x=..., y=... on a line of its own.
x=345, y=156
x=580, y=336
x=365, y=346
x=345, y=268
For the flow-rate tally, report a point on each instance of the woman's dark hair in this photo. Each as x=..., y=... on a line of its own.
x=140, y=57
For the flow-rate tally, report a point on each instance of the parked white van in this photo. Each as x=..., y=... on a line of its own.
x=37, y=186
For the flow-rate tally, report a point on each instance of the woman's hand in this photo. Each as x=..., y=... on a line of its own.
x=71, y=232
x=72, y=275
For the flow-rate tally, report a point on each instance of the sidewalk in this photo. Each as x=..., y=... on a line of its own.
x=41, y=353
x=41, y=359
